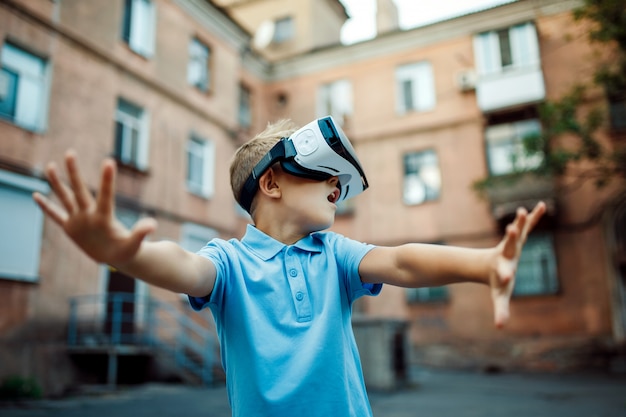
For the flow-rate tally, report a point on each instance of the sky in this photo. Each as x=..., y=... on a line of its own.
x=412, y=13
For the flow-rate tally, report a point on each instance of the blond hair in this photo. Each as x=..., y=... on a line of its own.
x=250, y=153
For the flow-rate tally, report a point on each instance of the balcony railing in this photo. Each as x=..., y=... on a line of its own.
x=511, y=88
x=118, y=324
x=526, y=190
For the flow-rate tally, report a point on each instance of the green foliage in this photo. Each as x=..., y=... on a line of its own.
x=609, y=17
x=19, y=388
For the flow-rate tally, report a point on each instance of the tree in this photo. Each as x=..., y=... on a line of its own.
x=572, y=125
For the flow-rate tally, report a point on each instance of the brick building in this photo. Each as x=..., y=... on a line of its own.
x=170, y=88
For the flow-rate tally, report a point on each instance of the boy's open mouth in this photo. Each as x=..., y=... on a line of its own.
x=334, y=196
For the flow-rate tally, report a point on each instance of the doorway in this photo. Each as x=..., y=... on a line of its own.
x=120, y=308
x=121, y=293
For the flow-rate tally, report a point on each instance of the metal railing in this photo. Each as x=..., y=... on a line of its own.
x=119, y=324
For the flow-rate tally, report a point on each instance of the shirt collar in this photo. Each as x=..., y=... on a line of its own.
x=266, y=247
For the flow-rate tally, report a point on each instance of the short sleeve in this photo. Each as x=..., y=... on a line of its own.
x=214, y=251
x=349, y=254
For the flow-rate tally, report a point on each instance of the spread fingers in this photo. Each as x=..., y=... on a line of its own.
x=105, y=200
x=52, y=210
x=536, y=214
x=62, y=191
x=82, y=195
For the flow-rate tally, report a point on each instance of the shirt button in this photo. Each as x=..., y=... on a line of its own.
x=299, y=296
x=293, y=272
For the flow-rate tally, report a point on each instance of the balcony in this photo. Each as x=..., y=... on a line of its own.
x=507, y=193
x=511, y=88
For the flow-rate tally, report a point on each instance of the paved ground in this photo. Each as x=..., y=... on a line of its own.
x=440, y=394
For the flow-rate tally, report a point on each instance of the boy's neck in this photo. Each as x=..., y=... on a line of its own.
x=284, y=226
x=283, y=232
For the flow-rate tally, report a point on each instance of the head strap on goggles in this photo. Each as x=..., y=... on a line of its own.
x=284, y=149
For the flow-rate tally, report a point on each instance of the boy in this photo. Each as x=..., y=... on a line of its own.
x=282, y=295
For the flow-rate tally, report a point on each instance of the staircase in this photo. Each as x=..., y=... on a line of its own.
x=118, y=325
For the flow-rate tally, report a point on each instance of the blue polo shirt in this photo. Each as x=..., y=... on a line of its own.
x=283, y=318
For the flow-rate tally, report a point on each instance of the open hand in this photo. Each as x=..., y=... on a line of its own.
x=508, y=251
x=90, y=222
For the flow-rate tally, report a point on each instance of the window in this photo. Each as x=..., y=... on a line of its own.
x=23, y=88
x=506, y=49
x=200, y=166
x=617, y=111
x=335, y=99
x=195, y=237
x=245, y=107
x=198, y=70
x=505, y=147
x=128, y=217
x=422, y=179
x=415, y=87
x=138, y=29
x=131, y=135
x=426, y=294
x=21, y=226
x=283, y=30
x=536, y=270
x=8, y=93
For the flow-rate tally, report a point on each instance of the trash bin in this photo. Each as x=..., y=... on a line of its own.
x=383, y=346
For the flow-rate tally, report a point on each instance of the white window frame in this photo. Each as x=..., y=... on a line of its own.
x=537, y=269
x=203, y=151
x=418, y=78
x=244, y=112
x=421, y=183
x=198, y=69
x=32, y=90
x=20, y=246
x=139, y=30
x=131, y=123
x=335, y=99
x=505, y=147
x=195, y=236
x=283, y=30
x=523, y=45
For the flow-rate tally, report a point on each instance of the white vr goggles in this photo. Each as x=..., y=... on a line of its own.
x=317, y=151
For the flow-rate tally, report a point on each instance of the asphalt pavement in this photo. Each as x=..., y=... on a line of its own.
x=430, y=393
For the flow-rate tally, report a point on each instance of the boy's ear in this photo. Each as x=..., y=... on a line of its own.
x=268, y=184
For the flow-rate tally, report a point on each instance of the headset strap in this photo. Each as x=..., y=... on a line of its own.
x=284, y=149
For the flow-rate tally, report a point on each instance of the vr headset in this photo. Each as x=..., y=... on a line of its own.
x=317, y=151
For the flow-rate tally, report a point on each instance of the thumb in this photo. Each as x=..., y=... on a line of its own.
x=501, y=308
x=140, y=230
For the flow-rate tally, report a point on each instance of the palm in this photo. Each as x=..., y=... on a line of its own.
x=502, y=279
x=90, y=222
x=90, y=229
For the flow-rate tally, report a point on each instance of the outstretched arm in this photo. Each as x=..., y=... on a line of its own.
x=423, y=265
x=91, y=223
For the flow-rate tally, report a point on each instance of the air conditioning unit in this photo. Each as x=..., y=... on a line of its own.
x=466, y=80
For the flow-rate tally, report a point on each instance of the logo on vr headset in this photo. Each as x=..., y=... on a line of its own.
x=317, y=151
